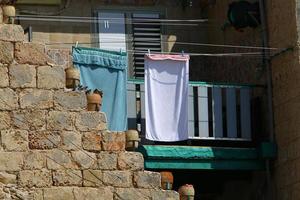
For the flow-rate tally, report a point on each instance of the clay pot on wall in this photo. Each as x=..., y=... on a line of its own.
x=167, y=180
x=9, y=13
x=94, y=100
x=1, y=15
x=186, y=192
x=72, y=77
x=132, y=140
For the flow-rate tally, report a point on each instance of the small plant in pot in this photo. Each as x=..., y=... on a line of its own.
x=72, y=77
x=94, y=99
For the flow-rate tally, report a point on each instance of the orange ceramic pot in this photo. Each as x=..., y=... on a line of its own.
x=72, y=77
x=186, y=192
x=167, y=180
x=94, y=101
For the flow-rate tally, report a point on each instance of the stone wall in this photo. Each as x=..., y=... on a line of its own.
x=51, y=148
x=282, y=28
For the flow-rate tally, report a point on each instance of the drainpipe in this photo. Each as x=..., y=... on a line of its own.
x=267, y=63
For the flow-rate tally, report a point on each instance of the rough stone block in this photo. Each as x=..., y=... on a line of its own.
x=59, y=193
x=11, y=32
x=60, y=57
x=8, y=99
x=132, y=193
x=164, y=194
x=57, y=159
x=36, y=99
x=4, y=80
x=91, y=121
x=7, y=178
x=22, y=76
x=118, y=178
x=84, y=159
x=57, y=120
x=44, y=140
x=92, y=178
x=67, y=177
x=130, y=161
x=146, y=179
x=91, y=141
x=35, y=178
x=5, y=120
x=49, y=77
x=107, y=160
x=11, y=161
x=31, y=53
x=71, y=140
x=34, y=160
x=99, y=193
x=6, y=51
x=37, y=194
x=113, y=141
x=29, y=119
x=14, y=140
x=71, y=100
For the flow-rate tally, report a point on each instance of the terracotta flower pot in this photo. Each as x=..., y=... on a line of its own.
x=132, y=139
x=94, y=101
x=9, y=12
x=186, y=192
x=167, y=180
x=72, y=77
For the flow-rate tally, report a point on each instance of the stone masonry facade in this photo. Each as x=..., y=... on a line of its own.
x=51, y=148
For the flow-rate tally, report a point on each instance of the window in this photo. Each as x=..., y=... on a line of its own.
x=134, y=32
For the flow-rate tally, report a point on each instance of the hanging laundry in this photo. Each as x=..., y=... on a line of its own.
x=166, y=97
x=106, y=71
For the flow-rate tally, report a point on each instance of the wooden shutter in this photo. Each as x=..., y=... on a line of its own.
x=146, y=32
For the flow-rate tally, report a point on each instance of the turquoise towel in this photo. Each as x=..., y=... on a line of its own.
x=106, y=71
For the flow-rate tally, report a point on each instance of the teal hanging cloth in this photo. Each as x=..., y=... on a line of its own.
x=106, y=71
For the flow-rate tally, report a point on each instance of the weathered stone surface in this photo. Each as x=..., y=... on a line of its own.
x=67, y=177
x=164, y=194
x=132, y=193
x=57, y=120
x=6, y=178
x=31, y=53
x=22, y=76
x=84, y=159
x=14, y=140
x=5, y=120
x=107, y=160
x=35, y=178
x=38, y=194
x=113, y=141
x=11, y=32
x=146, y=179
x=91, y=121
x=71, y=100
x=34, y=160
x=8, y=99
x=92, y=178
x=100, y=193
x=60, y=57
x=11, y=161
x=91, y=141
x=49, y=77
x=36, y=99
x=6, y=51
x=29, y=119
x=4, y=80
x=44, y=140
x=130, y=161
x=59, y=193
x=71, y=140
x=118, y=178
x=57, y=159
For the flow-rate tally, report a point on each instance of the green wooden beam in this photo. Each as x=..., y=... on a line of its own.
x=254, y=165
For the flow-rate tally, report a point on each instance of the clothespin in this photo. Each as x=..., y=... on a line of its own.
x=76, y=45
x=182, y=53
x=149, y=52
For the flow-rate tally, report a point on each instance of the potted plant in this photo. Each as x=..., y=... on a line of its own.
x=72, y=77
x=9, y=14
x=167, y=180
x=94, y=100
x=132, y=140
